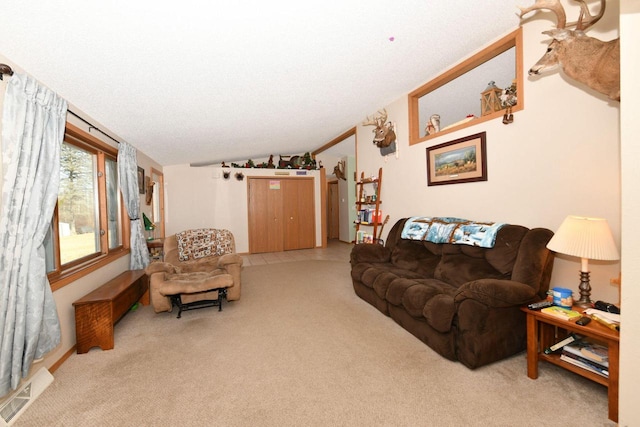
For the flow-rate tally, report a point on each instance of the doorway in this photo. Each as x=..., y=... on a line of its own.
x=157, y=200
x=339, y=153
x=333, y=210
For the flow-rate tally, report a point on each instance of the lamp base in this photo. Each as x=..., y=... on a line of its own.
x=585, y=291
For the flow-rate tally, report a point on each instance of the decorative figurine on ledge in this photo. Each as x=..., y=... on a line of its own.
x=433, y=125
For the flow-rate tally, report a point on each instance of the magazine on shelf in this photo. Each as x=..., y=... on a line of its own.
x=593, y=352
x=569, y=358
x=591, y=363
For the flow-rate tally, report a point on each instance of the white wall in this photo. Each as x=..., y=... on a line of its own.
x=630, y=153
x=561, y=156
x=198, y=197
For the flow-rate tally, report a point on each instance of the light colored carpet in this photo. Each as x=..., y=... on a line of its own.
x=299, y=349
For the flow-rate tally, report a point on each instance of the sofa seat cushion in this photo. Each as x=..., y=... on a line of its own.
x=432, y=300
x=358, y=270
x=439, y=312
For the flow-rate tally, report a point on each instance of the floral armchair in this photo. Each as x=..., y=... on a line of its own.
x=198, y=266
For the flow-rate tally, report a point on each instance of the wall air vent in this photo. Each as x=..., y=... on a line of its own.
x=20, y=400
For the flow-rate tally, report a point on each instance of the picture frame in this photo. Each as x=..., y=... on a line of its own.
x=140, y=180
x=458, y=161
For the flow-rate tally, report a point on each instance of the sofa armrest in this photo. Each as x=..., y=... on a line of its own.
x=160, y=267
x=496, y=293
x=228, y=259
x=369, y=253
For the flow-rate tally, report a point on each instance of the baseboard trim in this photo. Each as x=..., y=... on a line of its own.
x=60, y=361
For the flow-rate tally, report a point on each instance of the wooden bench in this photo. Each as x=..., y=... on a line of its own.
x=98, y=311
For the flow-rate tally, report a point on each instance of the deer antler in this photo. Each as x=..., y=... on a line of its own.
x=552, y=5
x=583, y=24
x=377, y=121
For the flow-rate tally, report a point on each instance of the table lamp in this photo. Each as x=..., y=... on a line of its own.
x=149, y=226
x=586, y=238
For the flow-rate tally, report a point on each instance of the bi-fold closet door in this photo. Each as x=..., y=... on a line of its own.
x=281, y=214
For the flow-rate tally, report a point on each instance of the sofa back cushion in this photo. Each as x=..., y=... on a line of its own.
x=421, y=257
x=457, y=264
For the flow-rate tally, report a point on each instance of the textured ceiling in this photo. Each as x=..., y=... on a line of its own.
x=196, y=81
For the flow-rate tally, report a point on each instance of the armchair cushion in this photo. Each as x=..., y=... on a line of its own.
x=204, y=242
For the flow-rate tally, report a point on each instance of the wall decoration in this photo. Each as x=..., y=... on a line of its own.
x=585, y=59
x=509, y=99
x=140, y=180
x=384, y=131
x=306, y=161
x=339, y=170
x=458, y=161
x=148, y=185
x=433, y=125
x=490, y=99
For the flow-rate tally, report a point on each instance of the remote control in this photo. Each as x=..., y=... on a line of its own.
x=557, y=346
x=583, y=321
x=539, y=305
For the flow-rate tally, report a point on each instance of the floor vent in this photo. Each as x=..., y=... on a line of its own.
x=17, y=403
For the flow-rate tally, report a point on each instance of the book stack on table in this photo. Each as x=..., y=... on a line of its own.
x=561, y=312
x=587, y=355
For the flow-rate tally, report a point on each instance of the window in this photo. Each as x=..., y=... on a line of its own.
x=462, y=85
x=87, y=228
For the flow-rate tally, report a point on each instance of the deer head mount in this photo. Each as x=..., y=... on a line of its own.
x=384, y=133
x=585, y=59
x=339, y=170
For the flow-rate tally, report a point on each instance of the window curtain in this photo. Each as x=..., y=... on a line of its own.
x=128, y=175
x=33, y=122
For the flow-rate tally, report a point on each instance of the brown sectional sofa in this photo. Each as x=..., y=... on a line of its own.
x=462, y=301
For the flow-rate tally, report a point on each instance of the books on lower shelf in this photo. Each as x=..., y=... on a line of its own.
x=369, y=216
x=561, y=312
x=364, y=237
x=596, y=353
x=587, y=355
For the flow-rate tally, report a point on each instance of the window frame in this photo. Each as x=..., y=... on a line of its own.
x=70, y=272
x=511, y=40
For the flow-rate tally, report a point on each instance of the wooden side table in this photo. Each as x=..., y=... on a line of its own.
x=544, y=330
x=156, y=249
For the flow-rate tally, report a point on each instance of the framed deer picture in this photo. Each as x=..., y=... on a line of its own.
x=458, y=161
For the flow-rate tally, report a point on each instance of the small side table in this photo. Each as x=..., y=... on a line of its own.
x=544, y=330
x=156, y=249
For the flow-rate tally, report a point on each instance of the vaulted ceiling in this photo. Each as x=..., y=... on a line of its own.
x=196, y=81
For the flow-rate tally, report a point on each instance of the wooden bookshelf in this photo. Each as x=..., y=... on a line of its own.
x=372, y=201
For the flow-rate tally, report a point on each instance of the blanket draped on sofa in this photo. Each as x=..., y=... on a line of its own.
x=451, y=230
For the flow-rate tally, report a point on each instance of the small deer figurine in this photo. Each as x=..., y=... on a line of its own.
x=583, y=58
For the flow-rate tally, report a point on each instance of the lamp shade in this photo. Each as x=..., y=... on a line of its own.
x=585, y=237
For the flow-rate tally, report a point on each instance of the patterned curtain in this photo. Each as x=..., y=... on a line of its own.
x=128, y=175
x=33, y=122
